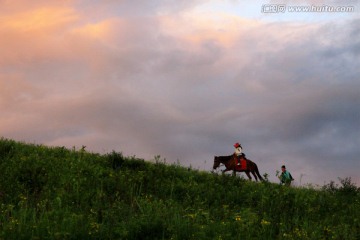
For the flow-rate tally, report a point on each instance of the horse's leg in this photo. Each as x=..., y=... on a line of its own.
x=253, y=173
x=247, y=173
x=257, y=172
x=234, y=173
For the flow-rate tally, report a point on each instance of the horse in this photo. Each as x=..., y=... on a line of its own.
x=230, y=163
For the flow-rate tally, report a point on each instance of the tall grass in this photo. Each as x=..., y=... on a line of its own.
x=59, y=193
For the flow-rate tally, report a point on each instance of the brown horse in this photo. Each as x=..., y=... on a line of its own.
x=230, y=163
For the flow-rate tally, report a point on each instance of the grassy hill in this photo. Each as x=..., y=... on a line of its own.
x=59, y=193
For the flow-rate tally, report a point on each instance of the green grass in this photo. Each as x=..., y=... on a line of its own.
x=59, y=193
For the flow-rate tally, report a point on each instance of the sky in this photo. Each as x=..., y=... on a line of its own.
x=186, y=80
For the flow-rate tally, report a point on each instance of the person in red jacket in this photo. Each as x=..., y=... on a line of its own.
x=239, y=153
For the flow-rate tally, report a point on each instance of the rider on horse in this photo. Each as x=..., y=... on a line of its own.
x=238, y=152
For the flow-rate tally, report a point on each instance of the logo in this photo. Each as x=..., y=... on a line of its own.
x=273, y=8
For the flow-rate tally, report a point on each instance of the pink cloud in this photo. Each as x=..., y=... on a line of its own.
x=182, y=84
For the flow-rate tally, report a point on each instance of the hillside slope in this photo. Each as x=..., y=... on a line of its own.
x=58, y=193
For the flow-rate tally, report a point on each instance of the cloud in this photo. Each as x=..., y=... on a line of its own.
x=162, y=80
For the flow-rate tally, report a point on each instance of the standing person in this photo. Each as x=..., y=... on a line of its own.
x=285, y=176
x=239, y=152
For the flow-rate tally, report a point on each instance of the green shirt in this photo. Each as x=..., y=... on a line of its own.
x=286, y=177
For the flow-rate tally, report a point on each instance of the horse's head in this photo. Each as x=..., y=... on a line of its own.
x=221, y=159
x=216, y=162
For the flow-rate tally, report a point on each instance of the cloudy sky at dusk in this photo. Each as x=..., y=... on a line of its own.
x=186, y=80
